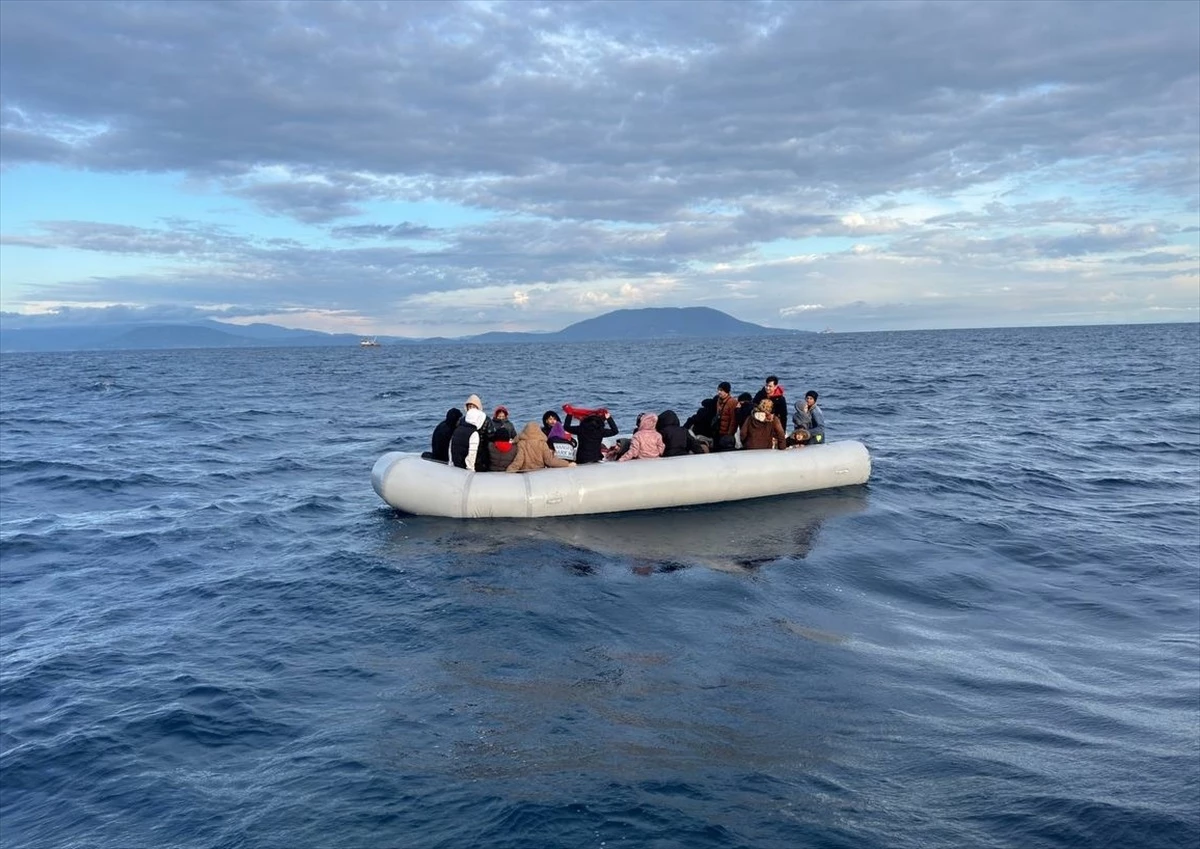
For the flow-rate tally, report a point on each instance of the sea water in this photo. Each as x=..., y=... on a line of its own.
x=214, y=634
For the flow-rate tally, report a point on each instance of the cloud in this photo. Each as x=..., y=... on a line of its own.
x=601, y=149
x=399, y=232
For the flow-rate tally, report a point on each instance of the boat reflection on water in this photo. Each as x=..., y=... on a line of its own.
x=734, y=535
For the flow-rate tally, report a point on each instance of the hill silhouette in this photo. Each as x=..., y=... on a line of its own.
x=624, y=324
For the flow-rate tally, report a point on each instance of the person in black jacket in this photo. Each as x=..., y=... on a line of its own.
x=591, y=432
x=439, y=448
x=744, y=408
x=702, y=421
x=676, y=439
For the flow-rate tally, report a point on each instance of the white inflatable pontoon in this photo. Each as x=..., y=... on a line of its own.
x=428, y=488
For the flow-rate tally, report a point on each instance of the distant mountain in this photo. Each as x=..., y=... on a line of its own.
x=648, y=323
x=659, y=322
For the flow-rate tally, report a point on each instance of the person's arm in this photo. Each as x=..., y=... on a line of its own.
x=745, y=429
x=568, y=427
x=818, y=418
x=780, y=436
x=610, y=427
x=472, y=450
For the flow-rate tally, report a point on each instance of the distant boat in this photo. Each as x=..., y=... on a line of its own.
x=827, y=330
x=372, y=342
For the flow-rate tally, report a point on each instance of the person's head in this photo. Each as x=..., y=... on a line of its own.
x=770, y=383
x=745, y=398
x=473, y=401
x=549, y=419
x=765, y=406
x=501, y=414
x=723, y=389
x=810, y=397
x=454, y=415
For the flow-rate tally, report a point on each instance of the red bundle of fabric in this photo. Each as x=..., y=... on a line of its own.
x=583, y=412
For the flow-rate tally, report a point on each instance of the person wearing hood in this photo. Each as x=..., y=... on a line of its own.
x=646, y=441
x=501, y=422
x=534, y=452
x=439, y=448
x=591, y=431
x=464, y=444
x=702, y=422
x=485, y=429
x=809, y=418
x=562, y=443
x=763, y=429
x=676, y=440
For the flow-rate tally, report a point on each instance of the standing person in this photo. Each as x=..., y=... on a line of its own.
x=465, y=443
x=810, y=418
x=763, y=429
x=591, y=431
x=771, y=389
x=766, y=390
x=725, y=418
x=439, y=443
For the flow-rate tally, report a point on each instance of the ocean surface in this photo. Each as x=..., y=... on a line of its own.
x=214, y=634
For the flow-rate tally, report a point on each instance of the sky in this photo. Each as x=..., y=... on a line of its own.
x=439, y=168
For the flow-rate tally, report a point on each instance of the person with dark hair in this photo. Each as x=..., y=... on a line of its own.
x=744, y=408
x=549, y=420
x=591, y=430
x=725, y=421
x=702, y=422
x=439, y=443
x=767, y=389
x=809, y=418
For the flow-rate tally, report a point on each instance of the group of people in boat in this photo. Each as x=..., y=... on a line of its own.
x=470, y=439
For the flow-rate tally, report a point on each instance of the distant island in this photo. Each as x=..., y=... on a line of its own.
x=628, y=324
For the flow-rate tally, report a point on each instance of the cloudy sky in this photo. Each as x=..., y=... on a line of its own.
x=425, y=168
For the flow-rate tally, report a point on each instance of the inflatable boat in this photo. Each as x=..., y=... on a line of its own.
x=423, y=487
